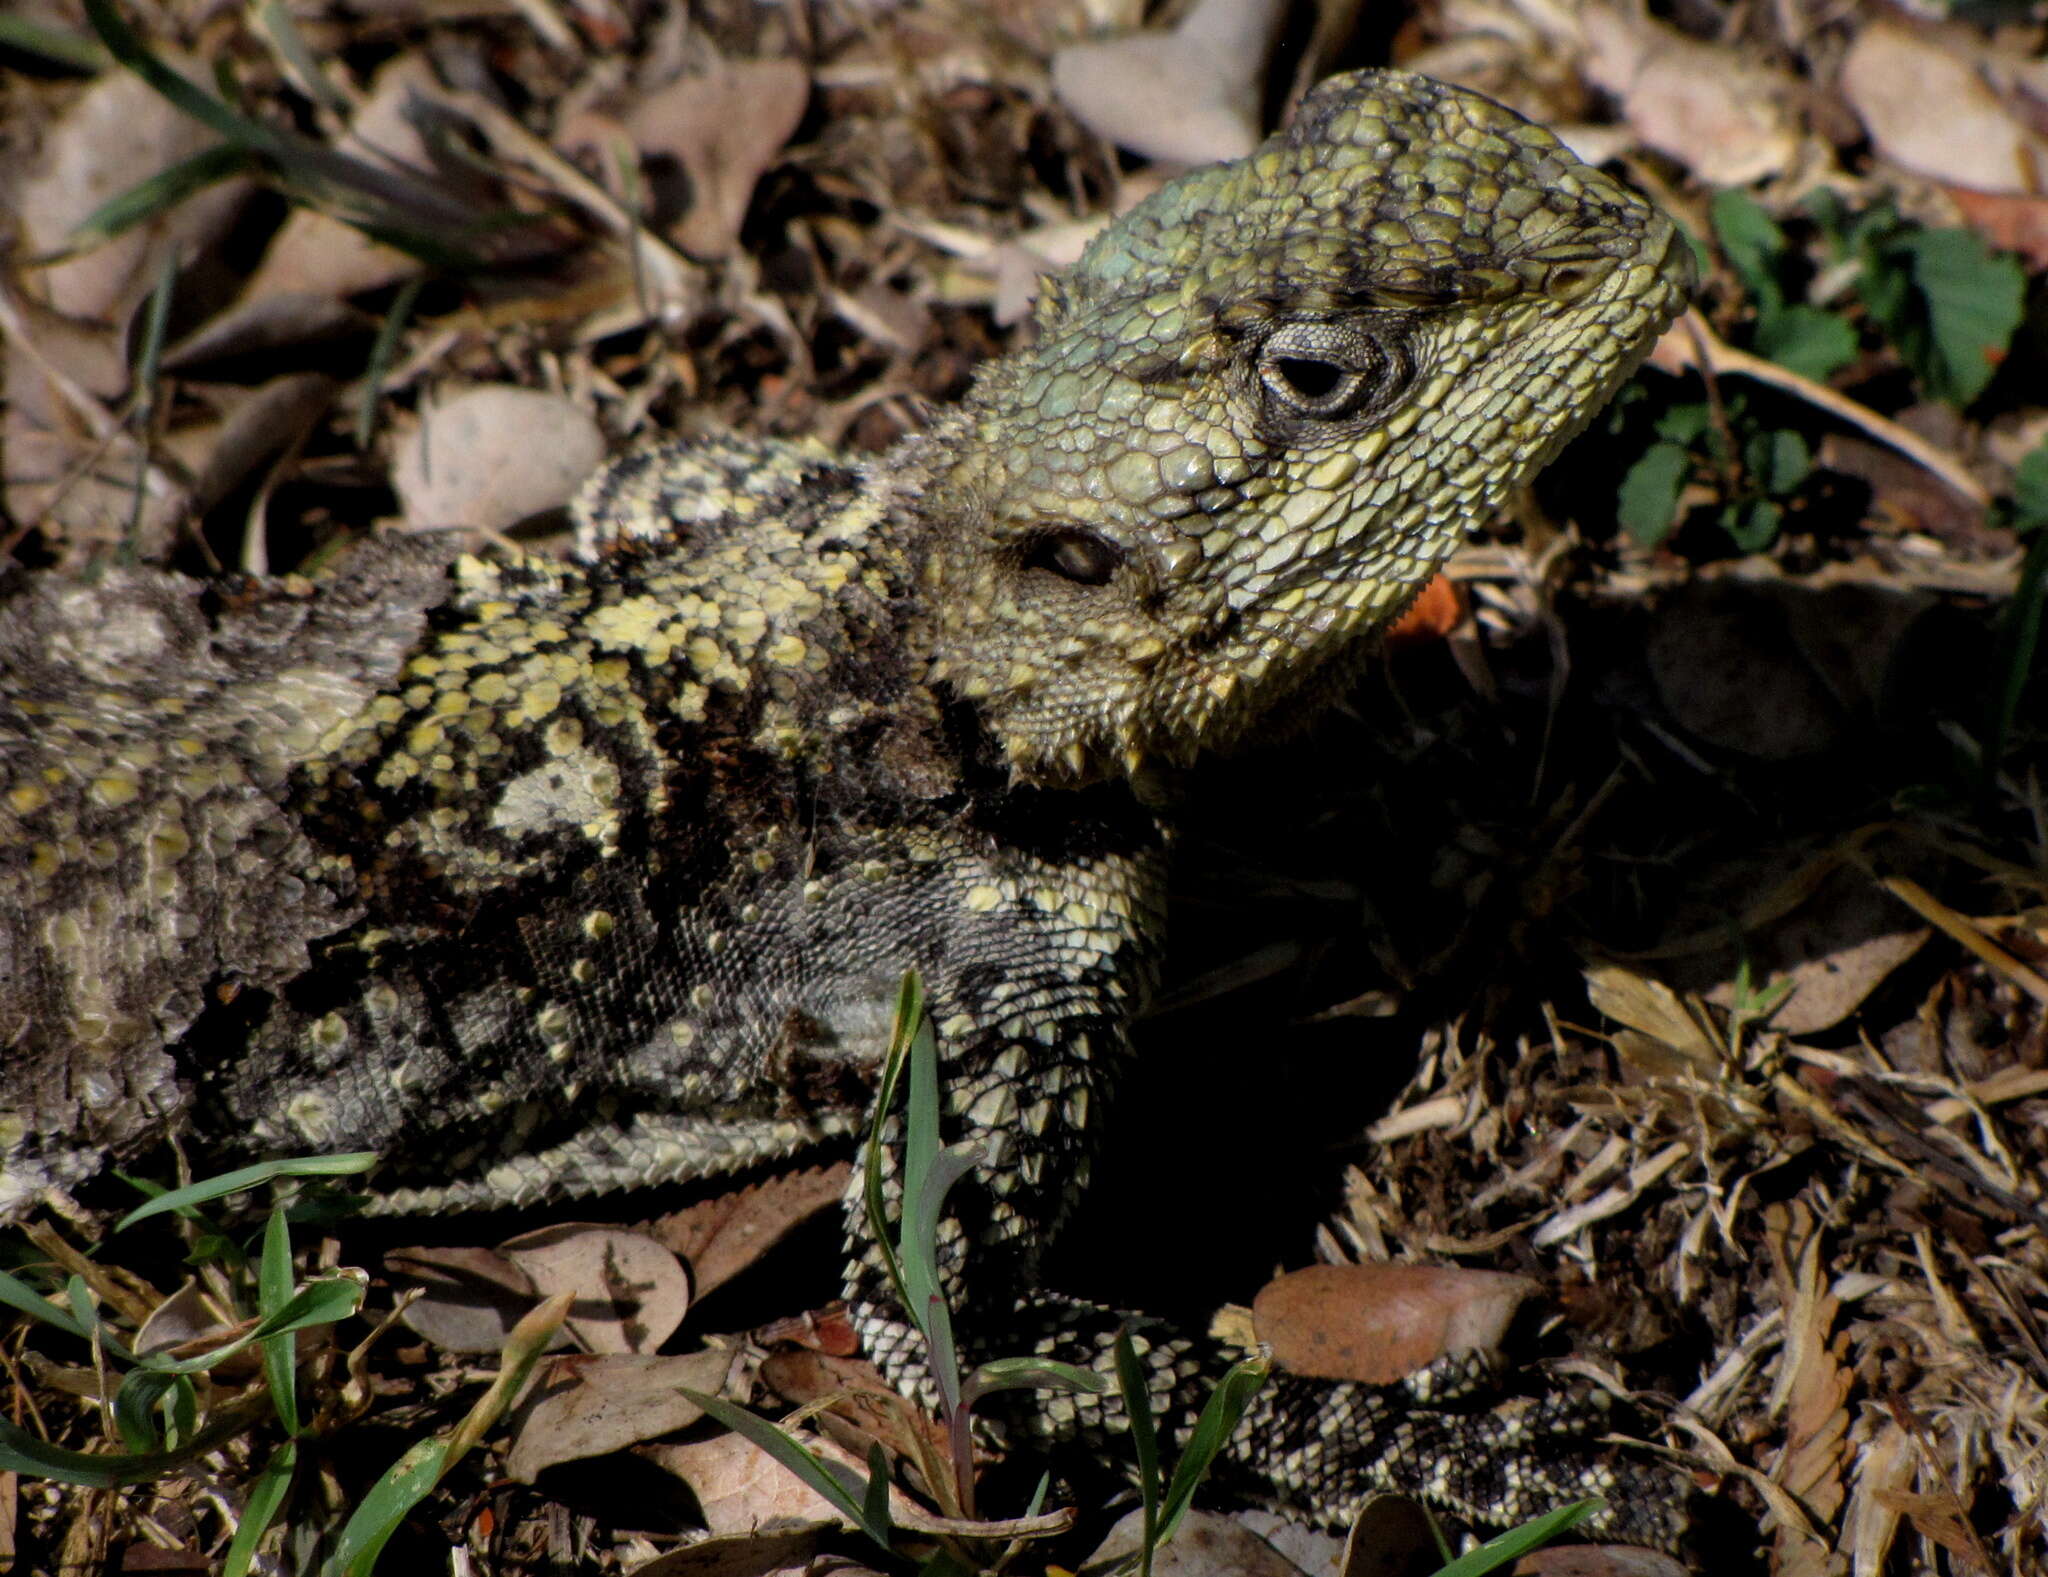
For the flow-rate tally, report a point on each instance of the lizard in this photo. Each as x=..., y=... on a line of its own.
x=543, y=879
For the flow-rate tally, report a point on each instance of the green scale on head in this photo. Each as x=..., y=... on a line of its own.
x=1263, y=408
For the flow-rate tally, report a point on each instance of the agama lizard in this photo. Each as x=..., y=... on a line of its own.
x=544, y=880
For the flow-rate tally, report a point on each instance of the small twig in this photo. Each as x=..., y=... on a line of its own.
x=1935, y=912
x=1712, y=354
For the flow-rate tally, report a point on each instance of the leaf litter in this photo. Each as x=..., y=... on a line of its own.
x=1695, y=891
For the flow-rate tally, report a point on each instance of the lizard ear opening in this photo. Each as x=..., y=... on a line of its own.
x=1075, y=555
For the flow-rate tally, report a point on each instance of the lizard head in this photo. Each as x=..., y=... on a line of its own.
x=1263, y=408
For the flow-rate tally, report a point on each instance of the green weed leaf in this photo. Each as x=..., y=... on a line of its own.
x=1517, y=1542
x=273, y=1295
x=266, y=1495
x=249, y=1177
x=1647, y=503
x=1806, y=340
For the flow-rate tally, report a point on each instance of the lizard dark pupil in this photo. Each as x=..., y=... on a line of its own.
x=1312, y=380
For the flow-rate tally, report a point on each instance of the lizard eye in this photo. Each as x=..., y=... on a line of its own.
x=1323, y=371
x=1079, y=556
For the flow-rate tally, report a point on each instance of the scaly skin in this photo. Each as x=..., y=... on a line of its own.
x=545, y=880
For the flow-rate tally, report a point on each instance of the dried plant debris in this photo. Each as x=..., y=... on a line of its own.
x=1683, y=867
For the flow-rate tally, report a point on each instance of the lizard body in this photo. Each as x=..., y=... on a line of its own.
x=545, y=879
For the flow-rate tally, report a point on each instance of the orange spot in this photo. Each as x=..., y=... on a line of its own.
x=1431, y=616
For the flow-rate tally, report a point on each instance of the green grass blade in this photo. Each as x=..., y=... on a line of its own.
x=234, y=1182
x=134, y=1408
x=1517, y=1542
x=266, y=1495
x=128, y=48
x=324, y=1302
x=413, y=1476
x=382, y=354
x=1031, y=1374
x=22, y=1452
x=390, y=1500
x=1212, y=1432
x=19, y=1295
x=806, y=1464
x=159, y=193
x=909, y=1011
x=86, y=1313
x=1144, y=1441
x=273, y=1297
x=53, y=44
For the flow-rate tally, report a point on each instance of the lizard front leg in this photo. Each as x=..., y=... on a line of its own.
x=1026, y=1097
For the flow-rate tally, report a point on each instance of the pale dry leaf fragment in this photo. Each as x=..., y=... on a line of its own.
x=187, y=1315
x=1377, y=1323
x=1206, y=1544
x=1812, y=1390
x=631, y=1293
x=1893, y=75
x=586, y=1406
x=785, y=1551
x=492, y=455
x=1884, y=1468
x=739, y=1487
x=724, y=128
x=1189, y=94
x=1726, y=119
x=472, y=1298
x=118, y=133
x=1650, y=1006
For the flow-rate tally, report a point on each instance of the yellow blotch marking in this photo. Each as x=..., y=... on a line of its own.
x=115, y=788
x=981, y=899
x=27, y=798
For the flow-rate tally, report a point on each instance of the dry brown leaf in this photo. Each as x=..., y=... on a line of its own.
x=1376, y=1323
x=1206, y=1544
x=1834, y=951
x=1891, y=76
x=1391, y=1536
x=1725, y=118
x=631, y=1293
x=316, y=254
x=868, y=1409
x=788, y=1550
x=1189, y=94
x=2014, y=221
x=473, y=1296
x=585, y=1406
x=117, y=133
x=490, y=456
x=1654, y=1009
x=721, y=1236
x=739, y=1487
x=724, y=128
x=1729, y=670
x=1812, y=1389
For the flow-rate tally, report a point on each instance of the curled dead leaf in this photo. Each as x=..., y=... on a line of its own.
x=631, y=1293
x=1377, y=1323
